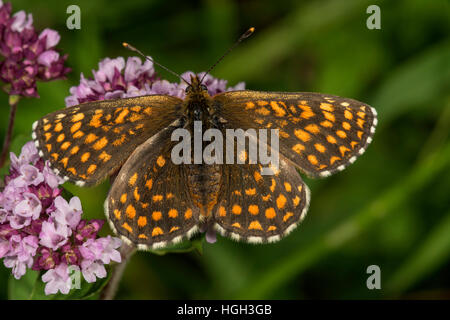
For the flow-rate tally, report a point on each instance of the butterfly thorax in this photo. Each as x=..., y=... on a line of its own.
x=203, y=180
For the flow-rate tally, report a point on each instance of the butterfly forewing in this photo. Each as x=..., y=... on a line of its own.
x=88, y=142
x=149, y=203
x=320, y=134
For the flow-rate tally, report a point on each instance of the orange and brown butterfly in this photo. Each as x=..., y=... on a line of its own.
x=153, y=202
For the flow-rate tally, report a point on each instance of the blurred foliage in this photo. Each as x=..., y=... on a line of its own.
x=391, y=208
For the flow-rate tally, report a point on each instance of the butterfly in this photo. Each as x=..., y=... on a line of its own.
x=154, y=203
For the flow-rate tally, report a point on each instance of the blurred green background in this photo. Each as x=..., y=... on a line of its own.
x=391, y=208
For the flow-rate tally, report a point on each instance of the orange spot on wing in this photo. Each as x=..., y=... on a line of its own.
x=281, y=201
x=117, y=214
x=173, y=213
x=329, y=116
x=253, y=209
x=156, y=215
x=361, y=114
x=360, y=123
x=326, y=124
x=135, y=117
x=100, y=144
x=136, y=194
x=74, y=150
x=222, y=211
x=263, y=111
x=123, y=198
x=91, y=169
x=298, y=148
x=236, y=209
x=333, y=159
x=312, y=128
x=58, y=127
x=64, y=161
x=90, y=138
x=312, y=158
x=279, y=111
x=287, y=216
x=72, y=170
x=249, y=105
x=142, y=221
x=65, y=145
x=296, y=201
x=157, y=231
x=104, y=156
x=257, y=176
x=302, y=135
x=127, y=227
x=255, y=225
x=331, y=139
x=133, y=179
x=341, y=134
x=343, y=150
x=348, y=115
x=78, y=134
x=188, y=214
x=149, y=184
x=95, y=121
x=346, y=125
x=287, y=186
x=271, y=228
x=130, y=211
x=270, y=213
x=262, y=103
x=60, y=137
x=85, y=156
x=273, y=185
x=320, y=148
x=327, y=107
x=250, y=192
x=160, y=161
x=121, y=116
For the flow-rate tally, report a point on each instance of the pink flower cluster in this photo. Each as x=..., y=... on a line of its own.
x=116, y=79
x=40, y=230
x=28, y=56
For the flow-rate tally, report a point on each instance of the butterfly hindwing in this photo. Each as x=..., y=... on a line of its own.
x=88, y=142
x=149, y=203
x=260, y=208
x=320, y=134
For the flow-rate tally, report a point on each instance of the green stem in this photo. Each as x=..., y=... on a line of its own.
x=13, y=101
x=110, y=290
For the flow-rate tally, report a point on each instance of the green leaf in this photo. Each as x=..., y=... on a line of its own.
x=186, y=246
x=26, y=287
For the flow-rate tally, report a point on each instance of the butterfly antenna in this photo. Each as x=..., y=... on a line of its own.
x=245, y=35
x=130, y=47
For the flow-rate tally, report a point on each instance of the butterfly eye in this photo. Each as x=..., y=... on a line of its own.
x=188, y=89
x=204, y=88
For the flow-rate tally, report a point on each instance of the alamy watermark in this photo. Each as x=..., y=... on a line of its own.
x=374, y=280
x=259, y=151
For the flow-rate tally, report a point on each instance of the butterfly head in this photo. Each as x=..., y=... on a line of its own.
x=196, y=87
